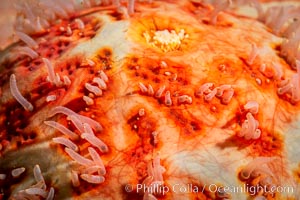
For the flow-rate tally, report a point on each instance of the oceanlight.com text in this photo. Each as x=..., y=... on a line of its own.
x=214, y=188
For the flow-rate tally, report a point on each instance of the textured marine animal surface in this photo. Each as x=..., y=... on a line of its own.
x=151, y=100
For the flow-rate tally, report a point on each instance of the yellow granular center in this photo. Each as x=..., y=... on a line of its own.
x=165, y=40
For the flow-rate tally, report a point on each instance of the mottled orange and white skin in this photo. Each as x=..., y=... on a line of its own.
x=163, y=100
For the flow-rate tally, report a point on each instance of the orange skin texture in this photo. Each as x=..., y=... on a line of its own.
x=211, y=53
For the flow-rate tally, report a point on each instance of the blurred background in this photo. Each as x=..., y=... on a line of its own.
x=7, y=18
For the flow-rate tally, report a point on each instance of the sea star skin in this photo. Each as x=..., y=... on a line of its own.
x=157, y=121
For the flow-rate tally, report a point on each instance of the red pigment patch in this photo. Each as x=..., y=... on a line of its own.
x=15, y=133
x=297, y=173
x=52, y=43
x=158, y=73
